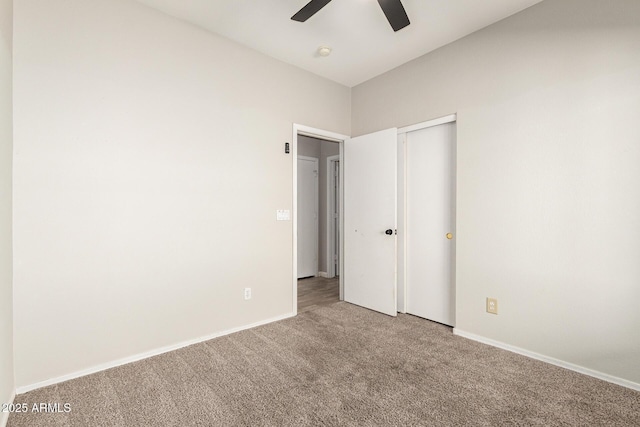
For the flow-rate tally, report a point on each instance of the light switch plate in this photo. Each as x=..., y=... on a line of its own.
x=283, y=215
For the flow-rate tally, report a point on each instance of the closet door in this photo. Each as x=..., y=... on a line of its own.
x=430, y=226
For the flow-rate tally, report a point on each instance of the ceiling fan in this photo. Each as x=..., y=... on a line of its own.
x=393, y=10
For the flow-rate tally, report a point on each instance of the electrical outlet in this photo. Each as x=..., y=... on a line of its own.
x=492, y=305
x=247, y=293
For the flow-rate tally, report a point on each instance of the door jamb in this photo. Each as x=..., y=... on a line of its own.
x=330, y=226
x=299, y=129
x=429, y=123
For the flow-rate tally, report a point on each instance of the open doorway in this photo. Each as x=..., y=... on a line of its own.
x=317, y=218
x=307, y=211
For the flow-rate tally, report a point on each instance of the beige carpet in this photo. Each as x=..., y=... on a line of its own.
x=337, y=365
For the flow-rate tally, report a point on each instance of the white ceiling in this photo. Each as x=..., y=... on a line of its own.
x=363, y=43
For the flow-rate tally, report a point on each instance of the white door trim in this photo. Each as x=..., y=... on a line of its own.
x=429, y=123
x=402, y=220
x=330, y=226
x=318, y=133
x=322, y=134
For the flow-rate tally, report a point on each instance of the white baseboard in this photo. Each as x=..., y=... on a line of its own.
x=561, y=363
x=145, y=355
x=323, y=274
x=4, y=416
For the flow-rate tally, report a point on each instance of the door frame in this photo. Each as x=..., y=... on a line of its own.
x=316, y=206
x=299, y=129
x=331, y=224
x=402, y=204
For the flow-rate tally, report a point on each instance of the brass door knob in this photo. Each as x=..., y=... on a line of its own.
x=449, y=236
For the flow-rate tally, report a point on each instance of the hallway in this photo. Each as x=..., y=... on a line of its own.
x=314, y=292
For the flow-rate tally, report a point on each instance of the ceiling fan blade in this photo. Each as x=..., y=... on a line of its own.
x=395, y=13
x=309, y=10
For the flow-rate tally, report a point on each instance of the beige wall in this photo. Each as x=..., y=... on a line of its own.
x=6, y=156
x=548, y=152
x=149, y=165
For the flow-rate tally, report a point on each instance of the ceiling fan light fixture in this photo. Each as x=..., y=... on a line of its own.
x=324, y=51
x=393, y=10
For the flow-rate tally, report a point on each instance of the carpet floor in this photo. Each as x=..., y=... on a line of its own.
x=337, y=365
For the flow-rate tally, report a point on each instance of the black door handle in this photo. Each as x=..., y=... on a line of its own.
x=388, y=232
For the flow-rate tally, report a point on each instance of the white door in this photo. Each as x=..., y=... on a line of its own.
x=430, y=223
x=369, y=202
x=307, y=212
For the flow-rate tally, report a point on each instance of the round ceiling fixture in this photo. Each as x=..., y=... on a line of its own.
x=324, y=51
